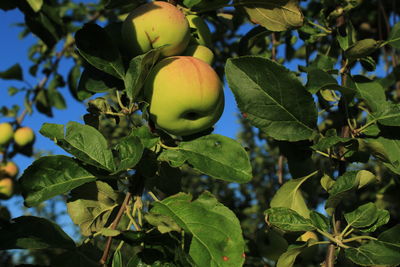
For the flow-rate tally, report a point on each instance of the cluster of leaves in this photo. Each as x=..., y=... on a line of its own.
x=348, y=131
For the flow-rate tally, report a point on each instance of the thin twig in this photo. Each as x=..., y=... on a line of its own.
x=280, y=169
x=114, y=225
x=273, y=50
x=54, y=66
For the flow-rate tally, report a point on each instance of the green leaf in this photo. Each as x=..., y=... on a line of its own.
x=272, y=97
x=347, y=36
x=323, y=62
x=382, y=219
x=389, y=115
x=117, y=259
x=86, y=255
x=12, y=73
x=370, y=91
x=288, y=258
x=73, y=78
x=36, y=5
x=275, y=15
x=290, y=196
x=217, y=237
x=374, y=253
x=29, y=232
x=205, y=5
x=56, y=99
x=97, y=48
x=344, y=184
x=331, y=139
x=365, y=178
x=43, y=104
x=50, y=176
x=91, y=205
x=130, y=150
x=363, y=216
x=215, y=155
x=139, y=67
x=394, y=36
x=94, y=81
x=391, y=150
x=327, y=182
x=391, y=236
x=318, y=79
x=163, y=223
x=46, y=24
x=148, y=139
x=320, y=221
x=82, y=141
x=191, y=3
x=288, y=220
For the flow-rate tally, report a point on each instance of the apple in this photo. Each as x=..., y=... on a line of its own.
x=201, y=52
x=9, y=169
x=6, y=133
x=24, y=136
x=199, y=30
x=185, y=95
x=154, y=25
x=6, y=188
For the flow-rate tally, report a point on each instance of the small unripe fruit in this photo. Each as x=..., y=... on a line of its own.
x=6, y=188
x=201, y=52
x=9, y=169
x=6, y=133
x=24, y=136
x=362, y=48
x=154, y=25
x=199, y=30
x=185, y=95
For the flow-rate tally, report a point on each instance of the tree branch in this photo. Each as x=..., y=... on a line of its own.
x=114, y=225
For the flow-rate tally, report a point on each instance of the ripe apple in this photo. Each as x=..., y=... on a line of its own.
x=24, y=136
x=185, y=95
x=153, y=25
x=201, y=52
x=6, y=133
x=9, y=169
x=6, y=188
x=199, y=30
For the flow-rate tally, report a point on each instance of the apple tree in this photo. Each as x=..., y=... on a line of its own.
x=311, y=179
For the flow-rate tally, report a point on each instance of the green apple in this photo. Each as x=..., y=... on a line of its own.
x=24, y=136
x=154, y=25
x=6, y=188
x=185, y=95
x=9, y=169
x=201, y=52
x=199, y=30
x=6, y=133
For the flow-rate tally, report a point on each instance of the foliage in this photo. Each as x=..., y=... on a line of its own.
x=317, y=85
